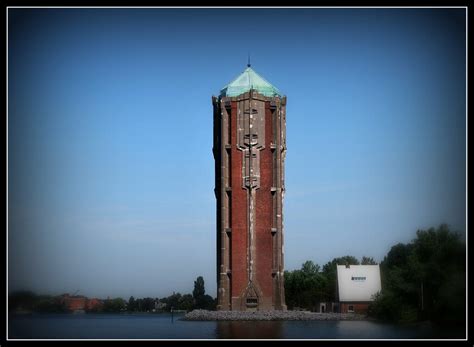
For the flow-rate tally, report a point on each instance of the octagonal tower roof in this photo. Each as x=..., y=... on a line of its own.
x=248, y=80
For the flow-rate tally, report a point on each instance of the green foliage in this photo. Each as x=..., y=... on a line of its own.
x=201, y=300
x=385, y=307
x=424, y=279
x=48, y=303
x=29, y=301
x=172, y=301
x=22, y=300
x=186, y=302
x=148, y=304
x=132, y=304
x=114, y=305
x=368, y=261
x=199, y=290
x=306, y=287
x=206, y=302
x=309, y=268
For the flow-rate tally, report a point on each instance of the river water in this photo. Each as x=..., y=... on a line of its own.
x=165, y=326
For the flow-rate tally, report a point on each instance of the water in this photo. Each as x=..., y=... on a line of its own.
x=163, y=326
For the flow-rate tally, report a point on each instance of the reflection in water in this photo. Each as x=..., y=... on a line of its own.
x=159, y=326
x=249, y=330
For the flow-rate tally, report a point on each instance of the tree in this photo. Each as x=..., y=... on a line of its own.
x=397, y=256
x=186, y=302
x=440, y=259
x=424, y=279
x=201, y=300
x=199, y=290
x=309, y=268
x=208, y=303
x=148, y=304
x=368, y=261
x=114, y=305
x=132, y=304
x=305, y=287
x=29, y=301
x=47, y=303
x=22, y=300
x=172, y=301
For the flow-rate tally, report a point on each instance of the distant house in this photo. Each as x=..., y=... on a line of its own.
x=79, y=303
x=76, y=303
x=159, y=306
x=356, y=285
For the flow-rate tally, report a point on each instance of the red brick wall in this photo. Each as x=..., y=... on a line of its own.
x=264, y=207
x=358, y=307
x=76, y=303
x=263, y=210
x=239, y=214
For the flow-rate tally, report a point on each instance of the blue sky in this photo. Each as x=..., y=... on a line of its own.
x=110, y=168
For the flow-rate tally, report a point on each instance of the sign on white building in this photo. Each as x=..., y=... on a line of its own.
x=358, y=283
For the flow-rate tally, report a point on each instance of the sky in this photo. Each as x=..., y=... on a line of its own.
x=110, y=166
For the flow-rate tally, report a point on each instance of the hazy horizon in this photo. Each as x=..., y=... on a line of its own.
x=110, y=168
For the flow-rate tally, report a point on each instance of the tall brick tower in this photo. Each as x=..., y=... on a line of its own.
x=249, y=151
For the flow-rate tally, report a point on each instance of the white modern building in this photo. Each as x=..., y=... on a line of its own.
x=356, y=285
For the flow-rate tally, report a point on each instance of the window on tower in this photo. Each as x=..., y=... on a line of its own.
x=252, y=302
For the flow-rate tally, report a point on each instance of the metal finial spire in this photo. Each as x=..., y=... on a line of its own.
x=248, y=64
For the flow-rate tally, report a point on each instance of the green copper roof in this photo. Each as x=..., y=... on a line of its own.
x=247, y=80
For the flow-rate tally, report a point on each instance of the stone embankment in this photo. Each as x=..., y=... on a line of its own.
x=203, y=315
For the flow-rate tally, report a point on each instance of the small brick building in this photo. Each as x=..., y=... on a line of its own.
x=249, y=150
x=79, y=303
x=356, y=285
x=74, y=303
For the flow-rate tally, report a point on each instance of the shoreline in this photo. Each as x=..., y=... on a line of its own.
x=204, y=315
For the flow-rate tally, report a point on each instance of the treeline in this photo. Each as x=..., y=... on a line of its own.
x=187, y=302
x=31, y=302
x=307, y=287
x=424, y=279
x=28, y=301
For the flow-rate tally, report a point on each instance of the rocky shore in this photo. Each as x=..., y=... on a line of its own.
x=203, y=315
